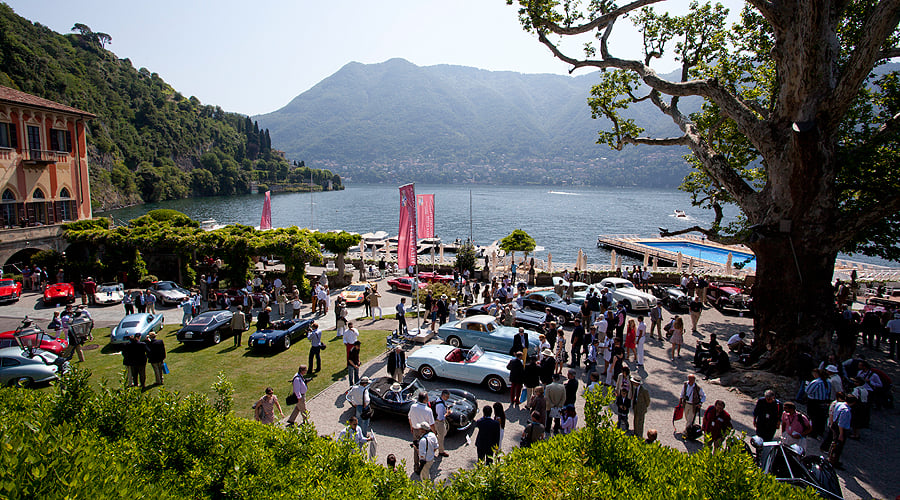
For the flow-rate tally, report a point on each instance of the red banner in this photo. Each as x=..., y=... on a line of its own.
x=425, y=215
x=407, y=238
x=265, y=222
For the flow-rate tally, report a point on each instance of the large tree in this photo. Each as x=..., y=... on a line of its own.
x=798, y=128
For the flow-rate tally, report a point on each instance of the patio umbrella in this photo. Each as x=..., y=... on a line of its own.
x=494, y=262
x=579, y=261
x=678, y=263
x=612, y=259
x=691, y=266
x=646, y=258
x=583, y=260
x=442, y=254
x=432, y=256
x=728, y=263
x=654, y=263
x=549, y=263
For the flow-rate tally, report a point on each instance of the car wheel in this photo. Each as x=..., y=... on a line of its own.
x=287, y=342
x=495, y=383
x=217, y=337
x=627, y=304
x=21, y=382
x=454, y=341
x=394, y=288
x=426, y=372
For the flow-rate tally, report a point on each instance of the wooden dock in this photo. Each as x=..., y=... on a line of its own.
x=631, y=245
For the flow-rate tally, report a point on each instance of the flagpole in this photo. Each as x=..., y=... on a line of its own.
x=415, y=242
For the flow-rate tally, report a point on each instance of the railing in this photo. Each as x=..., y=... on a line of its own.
x=45, y=156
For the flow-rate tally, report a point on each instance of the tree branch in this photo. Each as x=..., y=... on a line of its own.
x=765, y=7
x=850, y=224
x=596, y=23
x=668, y=141
x=710, y=234
x=881, y=24
x=890, y=53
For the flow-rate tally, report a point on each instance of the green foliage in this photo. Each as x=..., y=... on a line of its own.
x=518, y=241
x=465, y=257
x=224, y=389
x=48, y=260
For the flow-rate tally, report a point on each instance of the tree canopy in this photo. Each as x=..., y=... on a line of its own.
x=518, y=241
x=798, y=128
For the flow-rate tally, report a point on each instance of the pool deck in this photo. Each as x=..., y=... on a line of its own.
x=632, y=244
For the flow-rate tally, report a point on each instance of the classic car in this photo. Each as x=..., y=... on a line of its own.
x=109, y=293
x=59, y=293
x=10, y=290
x=31, y=335
x=431, y=277
x=791, y=465
x=405, y=284
x=580, y=289
x=282, y=334
x=484, y=330
x=135, y=324
x=209, y=326
x=355, y=293
x=526, y=318
x=626, y=293
x=236, y=297
x=671, y=296
x=462, y=404
x=540, y=300
x=466, y=365
x=168, y=292
x=26, y=367
x=728, y=296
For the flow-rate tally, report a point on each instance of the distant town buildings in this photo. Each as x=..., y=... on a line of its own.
x=43, y=161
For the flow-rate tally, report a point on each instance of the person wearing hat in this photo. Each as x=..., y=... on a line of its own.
x=443, y=308
x=426, y=447
x=359, y=398
x=548, y=366
x=156, y=356
x=394, y=393
x=837, y=385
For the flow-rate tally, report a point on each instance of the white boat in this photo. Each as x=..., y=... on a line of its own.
x=680, y=213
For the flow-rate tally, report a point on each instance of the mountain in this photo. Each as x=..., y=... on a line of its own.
x=148, y=142
x=396, y=120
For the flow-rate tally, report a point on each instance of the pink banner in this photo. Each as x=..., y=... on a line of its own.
x=407, y=238
x=265, y=222
x=425, y=215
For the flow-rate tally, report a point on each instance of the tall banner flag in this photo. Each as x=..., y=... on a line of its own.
x=407, y=237
x=425, y=215
x=265, y=222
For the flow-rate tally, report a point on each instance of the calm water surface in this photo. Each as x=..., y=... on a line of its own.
x=560, y=219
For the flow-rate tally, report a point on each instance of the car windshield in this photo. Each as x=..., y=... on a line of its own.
x=130, y=324
x=474, y=354
x=7, y=283
x=490, y=326
x=110, y=288
x=202, y=320
x=166, y=285
x=356, y=288
x=625, y=284
x=550, y=298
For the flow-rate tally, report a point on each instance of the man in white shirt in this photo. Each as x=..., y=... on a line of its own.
x=692, y=397
x=359, y=397
x=893, y=328
x=351, y=335
x=736, y=343
x=420, y=412
x=426, y=446
x=277, y=284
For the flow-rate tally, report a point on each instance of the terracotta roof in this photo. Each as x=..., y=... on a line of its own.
x=13, y=96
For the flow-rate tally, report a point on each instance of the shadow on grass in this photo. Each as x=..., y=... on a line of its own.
x=111, y=349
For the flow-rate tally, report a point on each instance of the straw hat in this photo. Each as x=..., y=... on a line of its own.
x=396, y=387
x=364, y=380
x=547, y=352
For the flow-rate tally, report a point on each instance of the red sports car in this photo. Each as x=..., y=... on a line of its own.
x=437, y=278
x=37, y=338
x=59, y=293
x=405, y=284
x=10, y=290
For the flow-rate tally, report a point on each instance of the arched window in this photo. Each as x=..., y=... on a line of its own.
x=9, y=213
x=38, y=194
x=8, y=196
x=64, y=193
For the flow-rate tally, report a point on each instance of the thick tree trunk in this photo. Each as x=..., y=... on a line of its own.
x=793, y=299
x=340, y=265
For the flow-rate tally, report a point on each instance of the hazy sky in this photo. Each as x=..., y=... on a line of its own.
x=254, y=57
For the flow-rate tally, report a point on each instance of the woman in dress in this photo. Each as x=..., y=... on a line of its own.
x=677, y=336
x=500, y=416
x=560, y=352
x=631, y=341
x=264, y=409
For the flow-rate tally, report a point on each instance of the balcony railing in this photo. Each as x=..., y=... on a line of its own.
x=43, y=157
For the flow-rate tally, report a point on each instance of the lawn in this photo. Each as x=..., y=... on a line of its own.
x=194, y=368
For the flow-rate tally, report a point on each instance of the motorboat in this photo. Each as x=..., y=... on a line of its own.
x=680, y=213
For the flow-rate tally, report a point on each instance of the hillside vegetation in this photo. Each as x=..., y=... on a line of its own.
x=148, y=142
x=116, y=442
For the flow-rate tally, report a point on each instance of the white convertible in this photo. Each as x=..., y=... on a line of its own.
x=625, y=292
x=467, y=365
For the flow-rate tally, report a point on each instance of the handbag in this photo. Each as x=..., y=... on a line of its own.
x=291, y=399
x=523, y=397
x=322, y=347
x=679, y=412
x=165, y=368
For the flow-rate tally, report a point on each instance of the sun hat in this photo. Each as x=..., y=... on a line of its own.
x=831, y=369
x=547, y=352
x=396, y=387
x=636, y=379
x=364, y=380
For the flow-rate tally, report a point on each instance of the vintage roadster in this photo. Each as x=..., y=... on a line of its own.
x=462, y=404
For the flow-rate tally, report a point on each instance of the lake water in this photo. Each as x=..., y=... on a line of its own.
x=561, y=220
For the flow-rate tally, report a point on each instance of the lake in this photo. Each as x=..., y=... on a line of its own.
x=561, y=220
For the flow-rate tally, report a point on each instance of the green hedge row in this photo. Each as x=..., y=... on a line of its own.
x=81, y=443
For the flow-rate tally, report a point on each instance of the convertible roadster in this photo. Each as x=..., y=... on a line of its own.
x=672, y=296
x=59, y=293
x=462, y=404
x=210, y=327
x=466, y=365
x=30, y=335
x=790, y=464
x=10, y=290
x=484, y=330
x=728, y=296
x=282, y=334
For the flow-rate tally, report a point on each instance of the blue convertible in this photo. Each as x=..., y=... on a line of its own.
x=483, y=330
x=466, y=365
x=282, y=334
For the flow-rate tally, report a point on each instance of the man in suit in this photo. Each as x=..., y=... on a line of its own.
x=396, y=364
x=488, y=435
x=156, y=356
x=520, y=343
x=640, y=400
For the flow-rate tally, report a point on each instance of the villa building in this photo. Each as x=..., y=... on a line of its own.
x=43, y=161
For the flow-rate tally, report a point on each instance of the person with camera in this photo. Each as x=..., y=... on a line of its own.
x=426, y=446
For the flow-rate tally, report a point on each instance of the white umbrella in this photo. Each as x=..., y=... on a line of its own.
x=442, y=254
x=612, y=259
x=619, y=262
x=494, y=262
x=549, y=263
x=691, y=266
x=583, y=260
x=578, y=260
x=678, y=263
x=646, y=258
x=728, y=263
x=362, y=251
x=432, y=255
x=654, y=263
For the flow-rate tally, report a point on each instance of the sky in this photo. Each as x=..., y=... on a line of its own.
x=254, y=57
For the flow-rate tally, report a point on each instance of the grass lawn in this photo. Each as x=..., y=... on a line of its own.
x=194, y=368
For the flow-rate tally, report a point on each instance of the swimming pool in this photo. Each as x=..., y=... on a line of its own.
x=700, y=251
